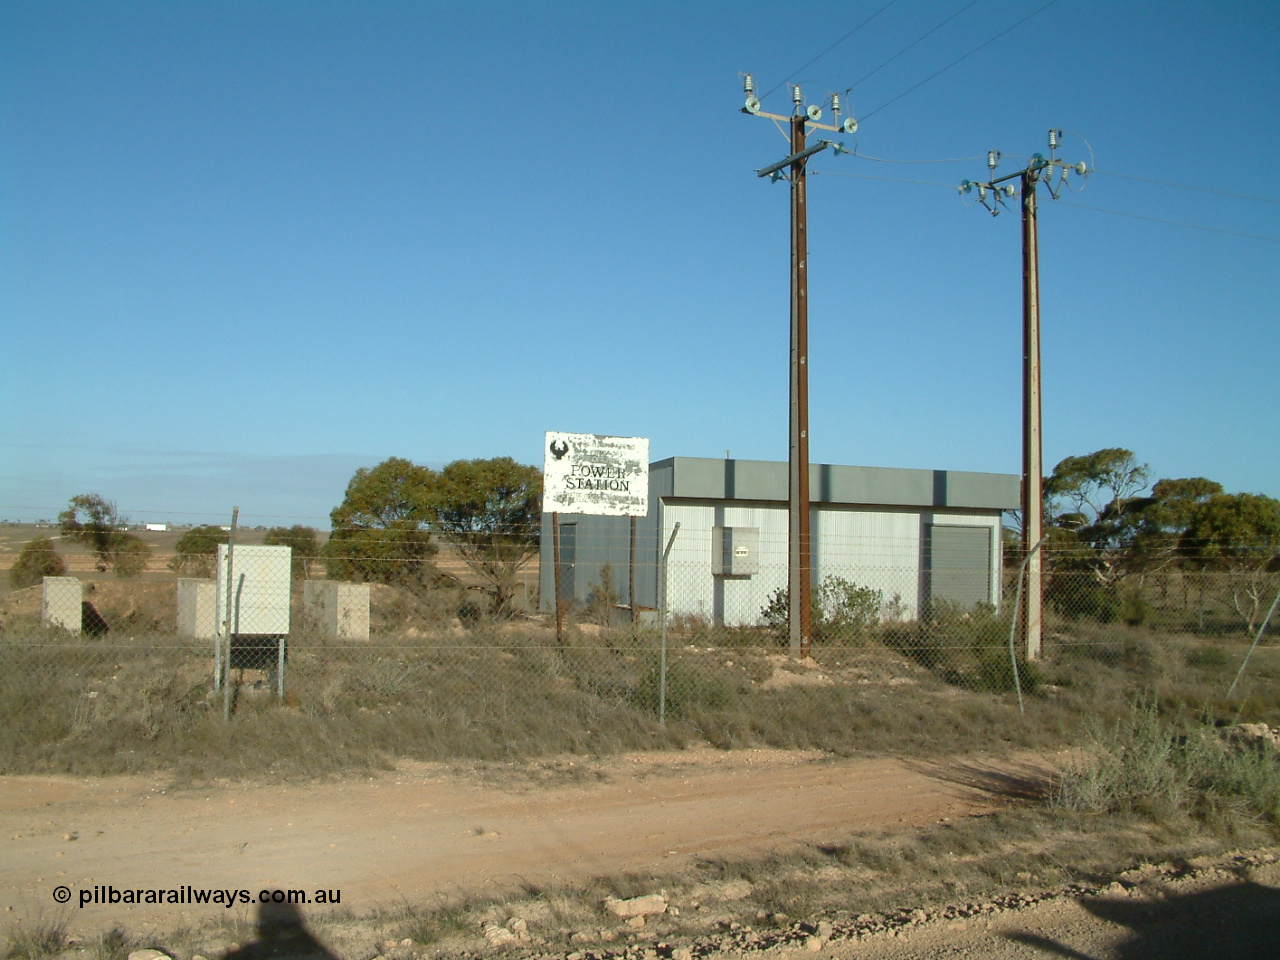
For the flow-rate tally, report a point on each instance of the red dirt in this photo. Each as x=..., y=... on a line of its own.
x=429, y=829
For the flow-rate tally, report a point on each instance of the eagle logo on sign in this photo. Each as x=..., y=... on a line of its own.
x=559, y=448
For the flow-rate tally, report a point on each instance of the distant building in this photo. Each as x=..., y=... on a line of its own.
x=914, y=535
x=157, y=527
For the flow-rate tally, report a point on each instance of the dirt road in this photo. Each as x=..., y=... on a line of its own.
x=426, y=829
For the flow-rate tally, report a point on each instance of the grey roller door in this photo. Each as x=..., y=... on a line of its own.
x=960, y=564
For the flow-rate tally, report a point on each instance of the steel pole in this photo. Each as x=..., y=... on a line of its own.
x=1032, y=455
x=662, y=620
x=631, y=576
x=798, y=552
x=229, y=623
x=555, y=562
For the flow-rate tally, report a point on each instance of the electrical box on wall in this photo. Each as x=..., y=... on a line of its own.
x=735, y=551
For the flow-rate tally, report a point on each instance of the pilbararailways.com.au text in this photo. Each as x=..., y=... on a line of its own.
x=108, y=895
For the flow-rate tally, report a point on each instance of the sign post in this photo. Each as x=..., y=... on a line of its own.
x=599, y=476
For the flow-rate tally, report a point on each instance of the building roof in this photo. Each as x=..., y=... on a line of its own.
x=703, y=478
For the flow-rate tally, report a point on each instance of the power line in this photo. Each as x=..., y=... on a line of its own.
x=854, y=152
x=832, y=47
x=1176, y=223
x=864, y=176
x=959, y=60
x=1186, y=186
x=910, y=45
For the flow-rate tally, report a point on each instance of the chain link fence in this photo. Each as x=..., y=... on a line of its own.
x=411, y=659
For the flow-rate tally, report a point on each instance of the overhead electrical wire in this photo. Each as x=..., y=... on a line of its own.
x=867, y=176
x=1185, y=186
x=1176, y=223
x=854, y=152
x=938, y=73
x=919, y=39
x=1069, y=203
x=830, y=48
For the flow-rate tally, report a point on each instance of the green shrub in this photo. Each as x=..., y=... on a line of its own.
x=302, y=543
x=1206, y=656
x=848, y=611
x=193, y=555
x=603, y=598
x=1079, y=596
x=1134, y=610
x=994, y=672
x=130, y=555
x=842, y=611
x=690, y=688
x=1144, y=764
x=38, y=559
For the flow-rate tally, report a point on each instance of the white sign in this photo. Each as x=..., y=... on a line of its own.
x=602, y=476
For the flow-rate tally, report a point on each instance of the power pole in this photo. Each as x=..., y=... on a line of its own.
x=799, y=551
x=1039, y=170
x=1032, y=447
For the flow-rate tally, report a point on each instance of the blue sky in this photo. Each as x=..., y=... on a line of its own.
x=246, y=248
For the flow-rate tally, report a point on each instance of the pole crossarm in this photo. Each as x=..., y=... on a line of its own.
x=804, y=154
x=1040, y=169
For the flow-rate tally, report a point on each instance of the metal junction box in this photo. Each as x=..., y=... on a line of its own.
x=260, y=590
x=735, y=551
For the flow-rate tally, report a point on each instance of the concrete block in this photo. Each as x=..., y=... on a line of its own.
x=340, y=611
x=60, y=603
x=197, y=608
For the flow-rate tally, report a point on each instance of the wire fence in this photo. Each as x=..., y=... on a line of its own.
x=423, y=657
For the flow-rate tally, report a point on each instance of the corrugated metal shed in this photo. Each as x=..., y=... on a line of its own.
x=913, y=535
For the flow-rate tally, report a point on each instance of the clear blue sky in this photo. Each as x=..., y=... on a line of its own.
x=246, y=248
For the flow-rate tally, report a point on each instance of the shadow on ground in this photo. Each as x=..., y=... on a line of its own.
x=1002, y=780
x=282, y=935
x=1240, y=919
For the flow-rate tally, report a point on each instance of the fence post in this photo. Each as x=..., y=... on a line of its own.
x=662, y=620
x=280, y=668
x=631, y=576
x=227, y=622
x=555, y=563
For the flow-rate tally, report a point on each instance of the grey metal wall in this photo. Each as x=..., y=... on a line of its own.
x=871, y=526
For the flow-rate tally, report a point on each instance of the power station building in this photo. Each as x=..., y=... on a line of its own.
x=913, y=535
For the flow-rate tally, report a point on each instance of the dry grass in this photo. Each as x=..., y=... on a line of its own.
x=36, y=938
x=427, y=688
x=499, y=693
x=1166, y=770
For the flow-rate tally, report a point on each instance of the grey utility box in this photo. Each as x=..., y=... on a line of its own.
x=261, y=578
x=340, y=611
x=259, y=593
x=61, y=601
x=197, y=608
x=735, y=551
